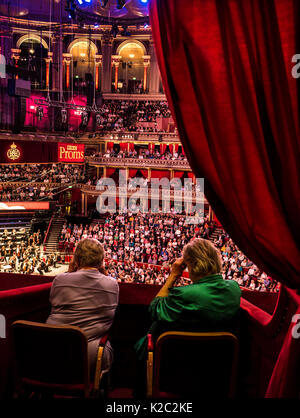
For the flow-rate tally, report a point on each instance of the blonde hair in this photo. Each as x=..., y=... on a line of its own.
x=202, y=257
x=88, y=253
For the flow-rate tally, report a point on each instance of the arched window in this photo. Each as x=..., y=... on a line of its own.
x=32, y=60
x=83, y=63
x=131, y=69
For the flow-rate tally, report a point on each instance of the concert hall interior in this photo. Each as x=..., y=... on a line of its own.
x=149, y=199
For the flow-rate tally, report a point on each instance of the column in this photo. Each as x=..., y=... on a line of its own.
x=6, y=43
x=57, y=63
x=82, y=203
x=106, y=46
x=146, y=59
x=210, y=213
x=98, y=62
x=67, y=63
x=48, y=61
x=116, y=62
x=85, y=204
x=2, y=66
x=154, y=71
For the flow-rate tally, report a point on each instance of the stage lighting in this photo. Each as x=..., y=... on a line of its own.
x=98, y=120
x=84, y=118
x=71, y=8
x=39, y=112
x=80, y=2
x=144, y=1
x=121, y=4
x=64, y=115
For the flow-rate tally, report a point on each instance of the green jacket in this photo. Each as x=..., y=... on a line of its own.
x=211, y=304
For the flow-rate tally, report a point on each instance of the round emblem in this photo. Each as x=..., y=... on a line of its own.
x=13, y=153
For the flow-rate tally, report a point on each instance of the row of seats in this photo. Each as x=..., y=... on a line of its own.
x=173, y=368
x=267, y=349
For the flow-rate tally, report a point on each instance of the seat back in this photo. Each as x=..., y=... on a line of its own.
x=51, y=357
x=195, y=364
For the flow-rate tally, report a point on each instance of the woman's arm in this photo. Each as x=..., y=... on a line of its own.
x=176, y=272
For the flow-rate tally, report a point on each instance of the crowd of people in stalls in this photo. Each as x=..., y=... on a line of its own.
x=140, y=237
x=46, y=174
x=43, y=173
x=236, y=266
x=157, y=240
x=124, y=115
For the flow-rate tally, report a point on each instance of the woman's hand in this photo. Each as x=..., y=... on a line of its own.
x=176, y=272
x=178, y=267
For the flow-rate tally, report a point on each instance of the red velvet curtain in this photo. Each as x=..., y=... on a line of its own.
x=123, y=146
x=110, y=146
x=159, y=174
x=144, y=173
x=226, y=68
x=131, y=146
x=163, y=148
x=179, y=174
x=132, y=172
x=151, y=147
x=110, y=172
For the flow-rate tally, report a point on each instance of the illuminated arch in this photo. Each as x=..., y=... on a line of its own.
x=131, y=41
x=88, y=41
x=29, y=37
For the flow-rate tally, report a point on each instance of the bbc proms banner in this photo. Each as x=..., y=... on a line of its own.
x=70, y=153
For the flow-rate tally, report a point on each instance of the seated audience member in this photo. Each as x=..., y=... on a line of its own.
x=210, y=303
x=86, y=297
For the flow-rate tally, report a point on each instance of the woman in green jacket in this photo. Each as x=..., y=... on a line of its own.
x=210, y=303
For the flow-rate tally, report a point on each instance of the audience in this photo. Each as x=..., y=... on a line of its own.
x=46, y=174
x=117, y=115
x=152, y=239
x=42, y=173
x=142, y=154
x=156, y=240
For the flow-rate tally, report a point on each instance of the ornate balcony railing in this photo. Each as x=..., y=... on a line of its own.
x=139, y=162
x=121, y=192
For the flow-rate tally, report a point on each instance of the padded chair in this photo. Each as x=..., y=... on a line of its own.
x=189, y=364
x=53, y=360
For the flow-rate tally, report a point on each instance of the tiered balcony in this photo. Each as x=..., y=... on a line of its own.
x=138, y=163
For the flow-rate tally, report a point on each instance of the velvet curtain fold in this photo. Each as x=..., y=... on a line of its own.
x=124, y=146
x=132, y=172
x=159, y=174
x=226, y=69
x=179, y=174
x=110, y=171
x=144, y=173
